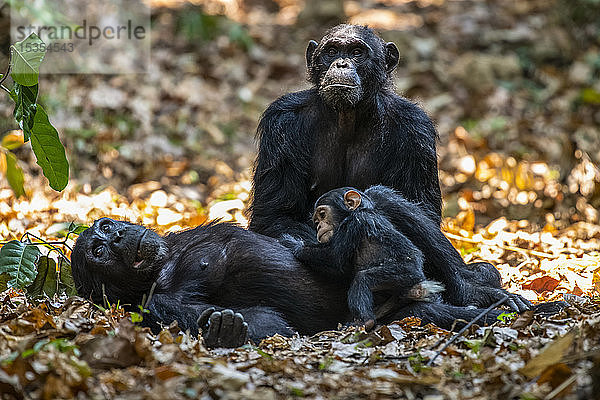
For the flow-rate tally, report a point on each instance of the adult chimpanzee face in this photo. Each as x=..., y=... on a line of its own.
x=118, y=243
x=340, y=85
x=111, y=252
x=349, y=64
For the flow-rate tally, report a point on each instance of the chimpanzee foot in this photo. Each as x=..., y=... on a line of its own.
x=368, y=324
x=483, y=297
x=550, y=308
x=223, y=328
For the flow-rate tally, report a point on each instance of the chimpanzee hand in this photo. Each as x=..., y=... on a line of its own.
x=293, y=243
x=223, y=328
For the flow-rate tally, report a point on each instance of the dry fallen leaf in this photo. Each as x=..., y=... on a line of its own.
x=549, y=356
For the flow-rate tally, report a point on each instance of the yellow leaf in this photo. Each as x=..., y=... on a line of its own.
x=13, y=139
x=596, y=280
x=2, y=162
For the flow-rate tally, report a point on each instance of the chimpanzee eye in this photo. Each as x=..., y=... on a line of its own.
x=322, y=214
x=97, y=251
x=105, y=226
x=357, y=52
x=332, y=51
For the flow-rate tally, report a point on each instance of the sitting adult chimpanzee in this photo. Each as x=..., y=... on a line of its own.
x=352, y=129
x=199, y=276
x=357, y=242
x=349, y=129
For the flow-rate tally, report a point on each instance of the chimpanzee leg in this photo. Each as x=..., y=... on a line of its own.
x=360, y=298
x=442, y=261
x=396, y=276
x=482, y=273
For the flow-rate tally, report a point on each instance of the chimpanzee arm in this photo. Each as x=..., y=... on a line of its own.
x=335, y=258
x=442, y=261
x=281, y=185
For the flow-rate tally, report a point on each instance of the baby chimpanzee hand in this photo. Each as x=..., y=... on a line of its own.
x=293, y=243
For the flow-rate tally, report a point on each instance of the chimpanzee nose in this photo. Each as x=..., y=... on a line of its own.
x=117, y=236
x=341, y=63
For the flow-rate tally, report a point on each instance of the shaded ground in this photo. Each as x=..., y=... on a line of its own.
x=514, y=88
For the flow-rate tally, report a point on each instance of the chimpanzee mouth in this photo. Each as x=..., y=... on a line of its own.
x=324, y=236
x=341, y=85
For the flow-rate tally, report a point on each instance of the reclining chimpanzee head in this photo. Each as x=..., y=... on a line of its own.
x=118, y=259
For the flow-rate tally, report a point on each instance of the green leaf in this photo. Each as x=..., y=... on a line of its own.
x=25, y=107
x=49, y=151
x=135, y=317
x=27, y=56
x=65, y=281
x=18, y=260
x=590, y=96
x=45, y=282
x=474, y=345
x=14, y=175
x=78, y=228
x=505, y=317
x=4, y=278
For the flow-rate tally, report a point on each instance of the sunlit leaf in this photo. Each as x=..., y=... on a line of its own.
x=543, y=284
x=13, y=140
x=550, y=355
x=27, y=55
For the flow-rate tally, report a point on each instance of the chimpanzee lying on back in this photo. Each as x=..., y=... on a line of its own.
x=357, y=241
x=202, y=274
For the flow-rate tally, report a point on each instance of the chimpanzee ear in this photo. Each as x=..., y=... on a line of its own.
x=310, y=50
x=392, y=55
x=352, y=199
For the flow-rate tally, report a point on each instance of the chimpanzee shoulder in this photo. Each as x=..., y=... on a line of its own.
x=407, y=118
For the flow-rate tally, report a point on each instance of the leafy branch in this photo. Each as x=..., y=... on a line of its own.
x=24, y=62
x=23, y=267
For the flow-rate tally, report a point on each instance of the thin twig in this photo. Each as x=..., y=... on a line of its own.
x=467, y=326
x=561, y=387
x=501, y=246
x=43, y=242
x=60, y=243
x=104, y=298
x=150, y=294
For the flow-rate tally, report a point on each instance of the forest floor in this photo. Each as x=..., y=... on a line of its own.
x=513, y=88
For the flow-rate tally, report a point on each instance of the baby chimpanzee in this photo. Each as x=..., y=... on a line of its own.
x=359, y=243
